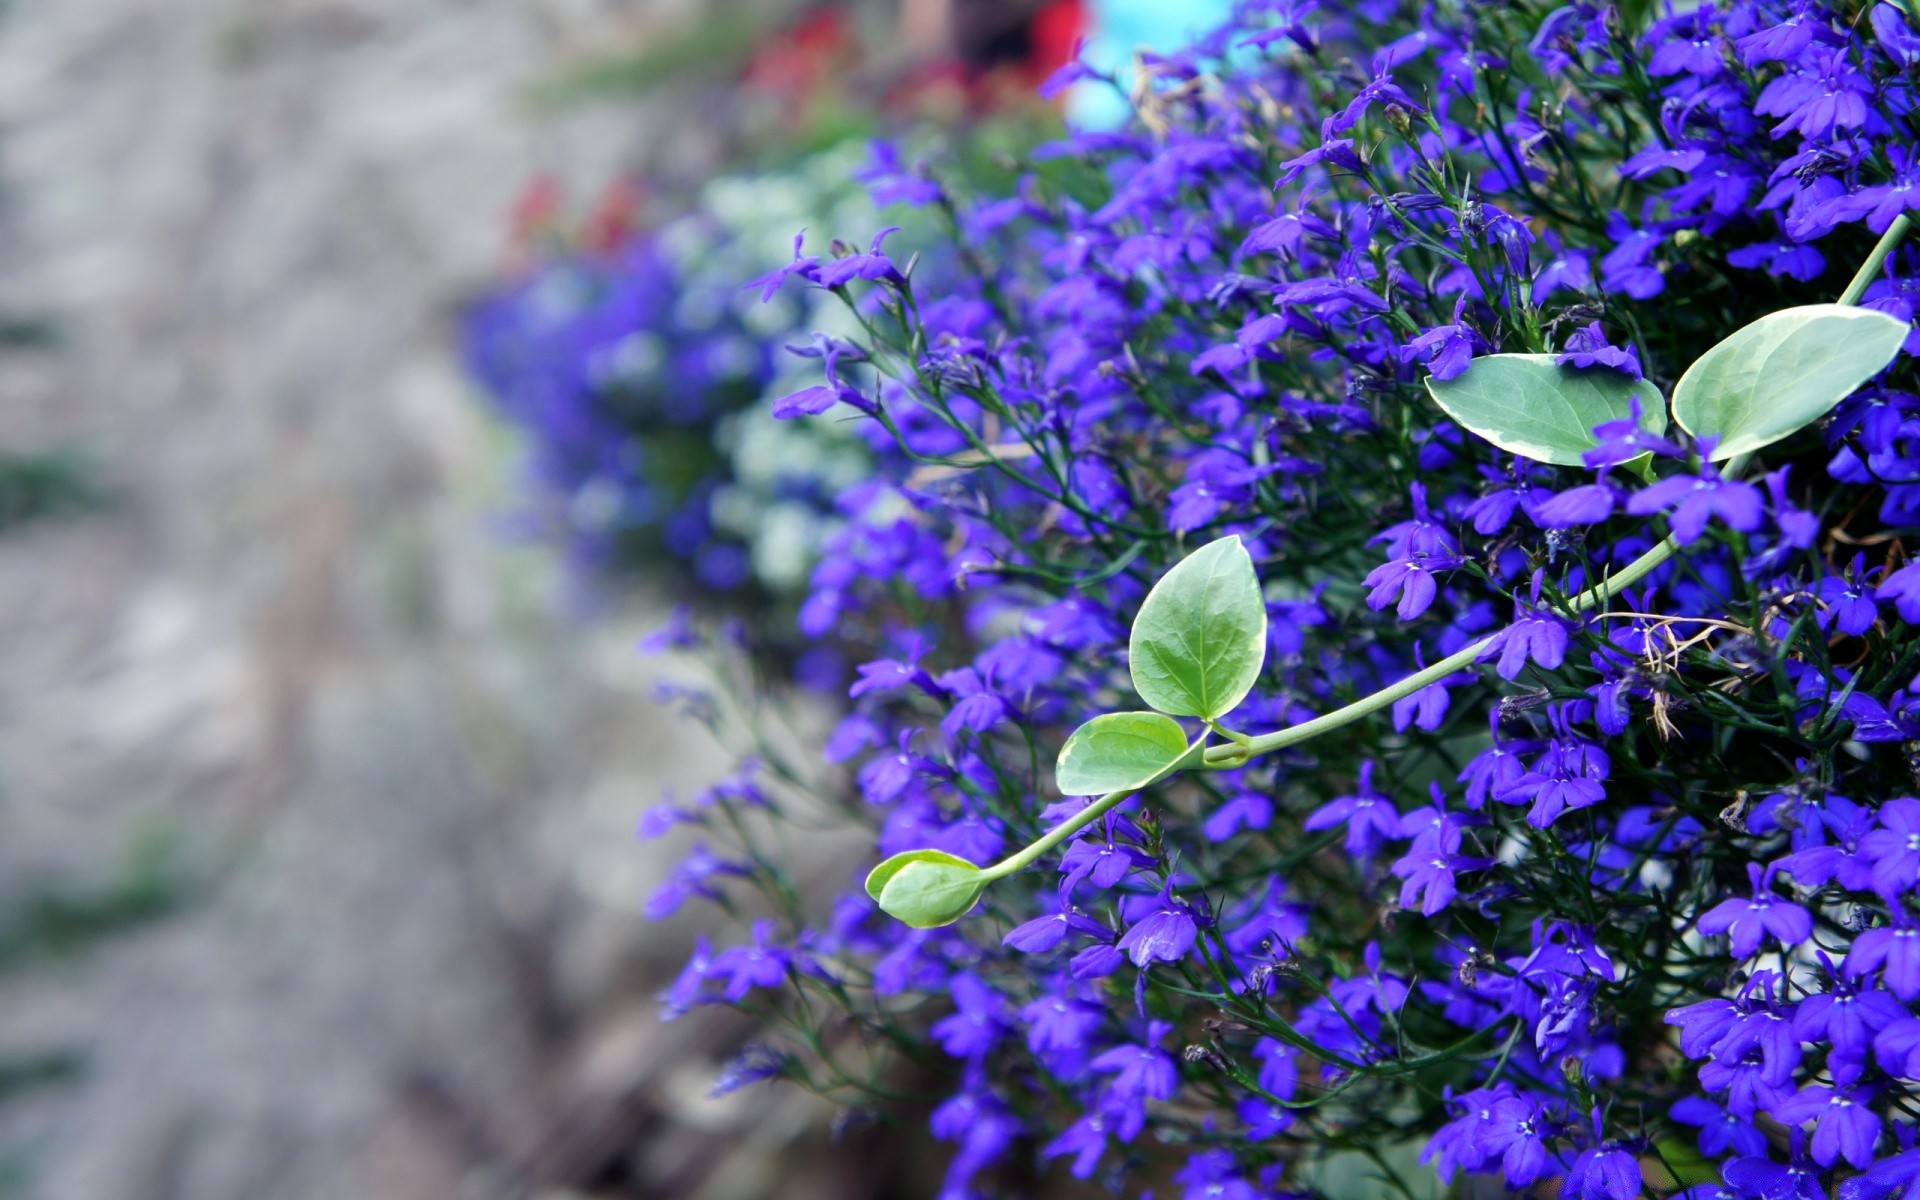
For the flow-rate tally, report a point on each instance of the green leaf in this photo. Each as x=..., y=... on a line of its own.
x=877, y=878
x=1783, y=373
x=1120, y=752
x=926, y=888
x=1526, y=404
x=1201, y=635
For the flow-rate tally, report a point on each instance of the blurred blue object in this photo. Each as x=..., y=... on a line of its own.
x=1120, y=28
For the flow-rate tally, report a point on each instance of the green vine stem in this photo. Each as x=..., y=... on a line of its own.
x=1240, y=752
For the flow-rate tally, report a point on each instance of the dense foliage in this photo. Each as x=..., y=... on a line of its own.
x=1629, y=904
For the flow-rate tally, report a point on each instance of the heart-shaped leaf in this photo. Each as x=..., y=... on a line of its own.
x=1201, y=635
x=1120, y=752
x=926, y=888
x=1783, y=373
x=1529, y=405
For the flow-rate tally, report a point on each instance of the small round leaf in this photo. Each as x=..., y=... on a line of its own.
x=930, y=888
x=877, y=878
x=1201, y=635
x=1120, y=752
x=1783, y=373
x=1527, y=404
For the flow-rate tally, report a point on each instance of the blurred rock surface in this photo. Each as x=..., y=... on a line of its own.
x=411, y=964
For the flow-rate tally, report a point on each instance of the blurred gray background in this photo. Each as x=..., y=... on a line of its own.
x=317, y=808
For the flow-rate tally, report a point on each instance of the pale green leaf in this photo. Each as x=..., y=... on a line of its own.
x=1783, y=373
x=877, y=878
x=1201, y=635
x=1528, y=405
x=927, y=888
x=1120, y=752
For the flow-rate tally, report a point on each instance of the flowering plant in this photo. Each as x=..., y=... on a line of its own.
x=1579, y=854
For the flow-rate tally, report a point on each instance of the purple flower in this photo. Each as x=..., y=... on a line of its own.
x=1624, y=440
x=1720, y=1130
x=1695, y=499
x=1447, y=350
x=1824, y=94
x=1140, y=1072
x=1049, y=930
x=1893, y=35
x=696, y=875
x=1369, y=815
x=1881, y=203
x=1845, y=1127
x=1570, y=775
x=1894, y=952
x=1409, y=581
x=1104, y=859
x=980, y=1019
x=1429, y=869
x=773, y=280
x=1587, y=346
x=1846, y=1018
x=1606, y=1172
x=1427, y=708
x=1535, y=636
x=1846, y=603
x=1085, y=1140
x=872, y=265
x=1894, y=848
x=1587, y=504
x=1164, y=935
x=1902, y=590
x=1247, y=810
x=1751, y=921
x=1058, y=1025
x=760, y=964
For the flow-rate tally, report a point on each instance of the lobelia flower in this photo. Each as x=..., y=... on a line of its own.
x=1164, y=935
x=1570, y=775
x=1844, y=1125
x=1588, y=504
x=1894, y=951
x=1894, y=848
x=1760, y=1178
x=1750, y=922
x=1588, y=347
x=1369, y=815
x=1048, y=931
x=1692, y=500
x=1902, y=590
x=1105, y=859
x=1846, y=602
x=1625, y=440
x=1430, y=866
x=980, y=1019
x=1721, y=1132
x=759, y=964
x=1847, y=1018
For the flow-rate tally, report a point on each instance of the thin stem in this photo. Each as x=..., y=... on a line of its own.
x=1059, y=833
x=1870, y=269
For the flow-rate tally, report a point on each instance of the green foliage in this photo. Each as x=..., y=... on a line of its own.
x=1526, y=404
x=926, y=888
x=1200, y=638
x=57, y=922
x=712, y=46
x=42, y=485
x=1120, y=752
x=1782, y=373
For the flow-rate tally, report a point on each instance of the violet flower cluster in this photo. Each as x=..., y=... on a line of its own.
x=618, y=377
x=1626, y=909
